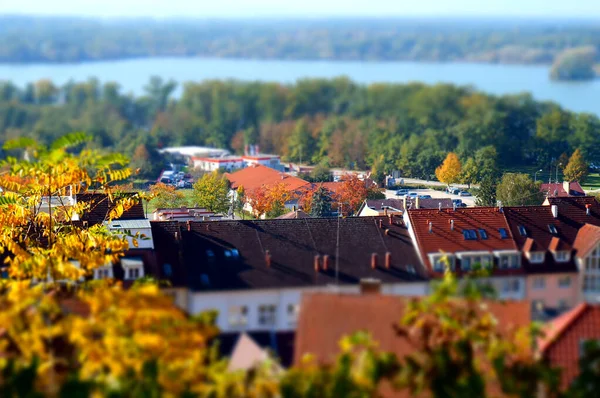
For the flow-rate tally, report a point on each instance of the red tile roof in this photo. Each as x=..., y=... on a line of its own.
x=325, y=318
x=557, y=244
x=443, y=239
x=558, y=189
x=587, y=239
x=254, y=177
x=561, y=345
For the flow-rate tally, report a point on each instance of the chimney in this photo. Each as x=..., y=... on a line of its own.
x=391, y=218
x=268, y=258
x=388, y=260
x=317, y=260
x=554, y=209
x=189, y=225
x=430, y=227
x=385, y=211
x=587, y=209
x=370, y=286
x=567, y=187
x=453, y=206
x=373, y=260
x=404, y=203
x=380, y=223
x=417, y=202
x=440, y=206
x=451, y=225
x=325, y=262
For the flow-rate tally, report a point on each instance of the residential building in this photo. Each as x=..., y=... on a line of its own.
x=263, y=159
x=463, y=238
x=377, y=207
x=224, y=163
x=563, y=344
x=563, y=189
x=185, y=214
x=326, y=318
x=186, y=153
x=293, y=215
x=259, y=176
x=254, y=273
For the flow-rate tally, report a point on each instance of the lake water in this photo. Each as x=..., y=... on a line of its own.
x=495, y=79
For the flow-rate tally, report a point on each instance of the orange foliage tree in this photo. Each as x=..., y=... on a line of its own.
x=450, y=170
x=269, y=200
x=352, y=194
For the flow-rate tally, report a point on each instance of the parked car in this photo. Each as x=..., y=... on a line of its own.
x=412, y=194
x=424, y=196
x=464, y=193
x=188, y=185
x=458, y=203
x=455, y=191
x=402, y=192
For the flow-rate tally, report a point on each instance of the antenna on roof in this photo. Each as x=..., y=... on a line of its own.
x=337, y=246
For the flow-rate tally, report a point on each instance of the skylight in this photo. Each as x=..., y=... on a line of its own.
x=522, y=230
x=552, y=229
x=503, y=233
x=483, y=234
x=469, y=234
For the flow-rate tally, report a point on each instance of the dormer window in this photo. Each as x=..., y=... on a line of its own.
x=469, y=234
x=536, y=257
x=503, y=233
x=104, y=272
x=522, y=230
x=133, y=268
x=483, y=234
x=438, y=261
x=562, y=256
x=552, y=229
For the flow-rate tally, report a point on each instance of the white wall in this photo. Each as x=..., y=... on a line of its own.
x=281, y=298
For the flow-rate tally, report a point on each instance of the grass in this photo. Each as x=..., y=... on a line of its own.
x=150, y=206
x=591, y=182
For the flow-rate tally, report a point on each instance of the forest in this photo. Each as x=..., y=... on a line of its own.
x=26, y=39
x=338, y=123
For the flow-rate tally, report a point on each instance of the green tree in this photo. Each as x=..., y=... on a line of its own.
x=321, y=203
x=486, y=194
x=378, y=171
x=212, y=193
x=577, y=168
x=517, y=189
x=575, y=64
x=320, y=173
x=470, y=172
x=301, y=142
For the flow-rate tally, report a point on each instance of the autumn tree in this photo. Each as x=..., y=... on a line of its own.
x=517, y=189
x=352, y=194
x=270, y=200
x=577, y=168
x=212, y=193
x=166, y=196
x=317, y=202
x=450, y=170
x=240, y=200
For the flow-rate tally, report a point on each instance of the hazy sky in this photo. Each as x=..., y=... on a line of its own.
x=304, y=8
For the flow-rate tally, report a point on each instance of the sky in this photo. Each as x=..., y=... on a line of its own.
x=304, y=8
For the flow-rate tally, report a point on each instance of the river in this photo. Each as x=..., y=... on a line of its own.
x=496, y=79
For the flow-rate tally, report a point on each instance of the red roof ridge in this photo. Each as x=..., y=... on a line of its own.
x=559, y=325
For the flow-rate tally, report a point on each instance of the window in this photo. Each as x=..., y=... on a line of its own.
x=539, y=282
x=266, y=315
x=238, y=315
x=552, y=229
x=591, y=278
x=522, y=230
x=561, y=256
x=465, y=263
x=293, y=310
x=564, y=281
x=439, y=262
x=509, y=261
x=503, y=233
x=469, y=234
x=103, y=272
x=483, y=234
x=511, y=286
x=536, y=257
x=133, y=269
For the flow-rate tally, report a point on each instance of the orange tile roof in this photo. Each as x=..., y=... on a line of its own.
x=443, y=238
x=325, y=318
x=561, y=345
x=557, y=244
x=587, y=239
x=254, y=177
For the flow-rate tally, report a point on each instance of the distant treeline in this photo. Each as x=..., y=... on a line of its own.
x=407, y=127
x=37, y=39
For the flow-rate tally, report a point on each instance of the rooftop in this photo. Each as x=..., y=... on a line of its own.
x=101, y=205
x=558, y=189
x=262, y=254
x=254, y=177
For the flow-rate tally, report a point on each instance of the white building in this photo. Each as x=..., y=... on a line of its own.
x=225, y=163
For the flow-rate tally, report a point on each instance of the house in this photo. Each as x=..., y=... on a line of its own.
x=184, y=214
x=223, y=163
x=248, y=355
x=562, y=189
x=188, y=153
x=259, y=176
x=562, y=345
x=293, y=214
x=255, y=272
x=263, y=159
x=375, y=207
x=466, y=237
x=325, y=318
